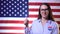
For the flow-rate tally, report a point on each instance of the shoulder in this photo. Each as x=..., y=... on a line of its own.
x=54, y=22
x=36, y=21
x=55, y=25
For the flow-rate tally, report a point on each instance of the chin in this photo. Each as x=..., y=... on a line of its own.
x=44, y=17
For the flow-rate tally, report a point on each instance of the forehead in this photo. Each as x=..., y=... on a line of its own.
x=44, y=7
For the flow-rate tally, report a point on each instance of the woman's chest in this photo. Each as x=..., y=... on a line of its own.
x=46, y=29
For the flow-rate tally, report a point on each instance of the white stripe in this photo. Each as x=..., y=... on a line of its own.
x=22, y=19
x=15, y=18
x=45, y=1
x=57, y=19
x=36, y=13
x=11, y=31
x=33, y=13
x=18, y=25
x=37, y=7
x=12, y=18
x=56, y=13
x=13, y=25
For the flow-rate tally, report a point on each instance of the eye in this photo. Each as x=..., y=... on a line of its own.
x=44, y=9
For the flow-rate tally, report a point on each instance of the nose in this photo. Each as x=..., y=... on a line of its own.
x=44, y=12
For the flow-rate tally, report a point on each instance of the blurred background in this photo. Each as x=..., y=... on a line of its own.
x=14, y=12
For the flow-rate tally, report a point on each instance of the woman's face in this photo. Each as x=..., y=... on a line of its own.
x=44, y=11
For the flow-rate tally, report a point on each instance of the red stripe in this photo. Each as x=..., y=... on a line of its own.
x=13, y=21
x=36, y=16
x=11, y=33
x=58, y=22
x=12, y=28
x=16, y=22
x=54, y=10
x=16, y=28
x=38, y=3
x=56, y=16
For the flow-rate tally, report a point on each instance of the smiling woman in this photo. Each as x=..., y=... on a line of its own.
x=45, y=23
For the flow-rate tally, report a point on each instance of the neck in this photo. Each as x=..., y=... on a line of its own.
x=44, y=19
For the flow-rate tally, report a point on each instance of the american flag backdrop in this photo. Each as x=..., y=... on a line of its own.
x=14, y=12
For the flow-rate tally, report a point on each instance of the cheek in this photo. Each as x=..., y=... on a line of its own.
x=47, y=13
x=42, y=13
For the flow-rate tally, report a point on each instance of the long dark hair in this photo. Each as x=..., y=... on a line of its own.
x=50, y=16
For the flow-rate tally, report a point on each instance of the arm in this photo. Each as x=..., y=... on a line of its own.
x=56, y=29
x=29, y=30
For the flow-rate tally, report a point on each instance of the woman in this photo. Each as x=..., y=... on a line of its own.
x=45, y=23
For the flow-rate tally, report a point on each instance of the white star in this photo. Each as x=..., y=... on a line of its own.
x=1, y=3
x=1, y=7
x=7, y=8
x=15, y=2
x=1, y=12
x=12, y=12
x=15, y=15
x=12, y=0
x=4, y=6
x=20, y=6
x=17, y=8
x=4, y=14
x=25, y=2
x=25, y=6
x=20, y=10
x=20, y=15
x=7, y=4
x=17, y=12
x=4, y=1
x=23, y=13
x=25, y=10
x=20, y=2
x=9, y=14
x=10, y=6
x=1, y=0
x=4, y=10
x=9, y=1
x=26, y=15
